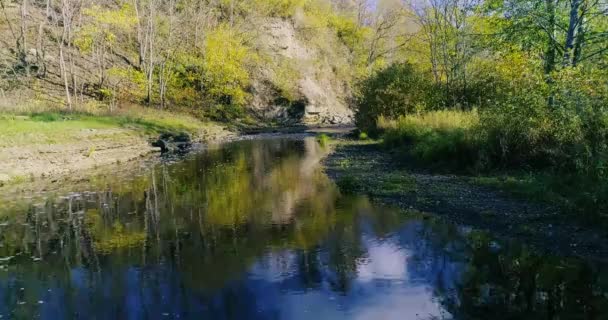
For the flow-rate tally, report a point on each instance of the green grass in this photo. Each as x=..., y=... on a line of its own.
x=452, y=140
x=348, y=184
x=26, y=130
x=396, y=183
x=55, y=127
x=573, y=194
x=323, y=139
x=439, y=138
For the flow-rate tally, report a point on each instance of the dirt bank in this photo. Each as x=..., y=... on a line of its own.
x=85, y=150
x=363, y=168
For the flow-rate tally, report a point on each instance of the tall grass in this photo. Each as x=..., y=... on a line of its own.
x=463, y=140
x=440, y=138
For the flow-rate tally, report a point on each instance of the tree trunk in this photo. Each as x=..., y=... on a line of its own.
x=571, y=34
x=579, y=41
x=150, y=53
x=22, y=42
x=550, y=53
x=141, y=43
x=64, y=38
x=40, y=51
x=48, y=9
x=64, y=75
x=232, y=13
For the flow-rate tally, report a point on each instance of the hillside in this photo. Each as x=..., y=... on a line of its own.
x=87, y=83
x=250, y=62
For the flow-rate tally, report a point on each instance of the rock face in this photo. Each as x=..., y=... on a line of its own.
x=320, y=94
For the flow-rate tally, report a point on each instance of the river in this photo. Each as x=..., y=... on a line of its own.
x=256, y=230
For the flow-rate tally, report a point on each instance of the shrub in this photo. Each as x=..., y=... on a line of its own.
x=392, y=92
x=225, y=76
x=272, y=8
x=562, y=126
x=323, y=139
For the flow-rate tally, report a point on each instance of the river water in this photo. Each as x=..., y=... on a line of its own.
x=256, y=230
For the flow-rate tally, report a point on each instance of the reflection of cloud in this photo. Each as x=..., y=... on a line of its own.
x=275, y=266
x=386, y=287
x=382, y=290
x=400, y=303
x=386, y=262
x=370, y=302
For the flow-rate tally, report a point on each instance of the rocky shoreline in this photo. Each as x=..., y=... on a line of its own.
x=363, y=168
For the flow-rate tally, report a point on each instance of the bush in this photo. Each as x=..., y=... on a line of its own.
x=271, y=8
x=392, y=92
x=524, y=121
x=225, y=74
x=562, y=126
x=323, y=140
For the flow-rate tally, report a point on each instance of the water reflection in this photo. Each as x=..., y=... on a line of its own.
x=255, y=230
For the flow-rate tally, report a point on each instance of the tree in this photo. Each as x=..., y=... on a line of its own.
x=444, y=26
x=69, y=11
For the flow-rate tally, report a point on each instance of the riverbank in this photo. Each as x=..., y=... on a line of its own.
x=361, y=167
x=51, y=144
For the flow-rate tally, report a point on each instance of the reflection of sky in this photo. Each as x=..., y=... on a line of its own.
x=395, y=279
x=382, y=289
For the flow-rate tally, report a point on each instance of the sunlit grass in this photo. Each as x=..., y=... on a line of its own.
x=445, y=137
x=323, y=140
x=52, y=127
x=435, y=120
x=25, y=130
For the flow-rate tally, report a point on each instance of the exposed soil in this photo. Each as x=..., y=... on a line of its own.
x=23, y=167
x=364, y=168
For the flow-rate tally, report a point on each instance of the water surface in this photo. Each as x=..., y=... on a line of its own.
x=256, y=230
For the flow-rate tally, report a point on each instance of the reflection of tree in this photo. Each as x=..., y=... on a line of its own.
x=210, y=217
x=516, y=283
x=198, y=225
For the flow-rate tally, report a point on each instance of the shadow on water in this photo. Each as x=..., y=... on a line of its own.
x=255, y=230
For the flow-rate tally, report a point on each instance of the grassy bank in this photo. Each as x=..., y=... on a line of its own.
x=38, y=142
x=51, y=127
x=460, y=141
